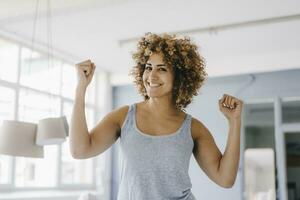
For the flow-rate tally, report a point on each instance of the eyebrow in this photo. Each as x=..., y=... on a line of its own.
x=159, y=65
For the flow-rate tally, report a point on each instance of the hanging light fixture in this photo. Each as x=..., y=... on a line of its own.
x=18, y=139
x=51, y=130
x=27, y=139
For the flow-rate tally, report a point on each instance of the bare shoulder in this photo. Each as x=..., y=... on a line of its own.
x=120, y=113
x=199, y=130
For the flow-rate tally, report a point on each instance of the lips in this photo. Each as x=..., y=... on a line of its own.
x=153, y=85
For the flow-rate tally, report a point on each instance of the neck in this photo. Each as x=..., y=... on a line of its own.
x=162, y=106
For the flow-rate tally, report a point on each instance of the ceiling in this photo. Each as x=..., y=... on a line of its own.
x=234, y=36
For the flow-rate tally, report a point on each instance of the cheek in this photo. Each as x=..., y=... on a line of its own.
x=171, y=79
x=144, y=75
x=144, y=78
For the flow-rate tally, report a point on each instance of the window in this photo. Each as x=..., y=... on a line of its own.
x=291, y=111
x=5, y=163
x=75, y=171
x=7, y=97
x=38, y=73
x=34, y=106
x=30, y=172
x=291, y=119
x=43, y=91
x=259, y=173
x=68, y=81
x=267, y=124
x=9, y=54
x=259, y=155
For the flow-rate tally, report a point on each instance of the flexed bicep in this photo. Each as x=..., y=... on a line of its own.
x=206, y=152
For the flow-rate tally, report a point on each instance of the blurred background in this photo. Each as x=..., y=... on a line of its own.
x=252, y=51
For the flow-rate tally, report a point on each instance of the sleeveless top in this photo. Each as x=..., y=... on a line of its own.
x=155, y=167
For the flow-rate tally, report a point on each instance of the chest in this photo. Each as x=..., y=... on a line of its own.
x=158, y=126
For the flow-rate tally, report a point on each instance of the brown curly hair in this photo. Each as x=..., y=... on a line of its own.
x=182, y=55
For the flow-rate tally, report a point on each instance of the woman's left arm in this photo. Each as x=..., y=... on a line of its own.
x=231, y=107
x=222, y=169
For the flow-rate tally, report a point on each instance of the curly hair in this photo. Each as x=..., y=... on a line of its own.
x=182, y=55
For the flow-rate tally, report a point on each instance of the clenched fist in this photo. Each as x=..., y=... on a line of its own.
x=231, y=107
x=85, y=71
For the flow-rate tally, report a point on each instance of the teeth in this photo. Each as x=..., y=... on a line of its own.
x=154, y=85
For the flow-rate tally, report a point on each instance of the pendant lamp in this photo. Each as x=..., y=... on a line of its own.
x=18, y=139
x=27, y=139
x=52, y=131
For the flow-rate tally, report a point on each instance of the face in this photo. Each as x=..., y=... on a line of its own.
x=158, y=77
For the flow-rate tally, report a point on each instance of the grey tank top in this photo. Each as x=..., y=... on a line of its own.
x=155, y=167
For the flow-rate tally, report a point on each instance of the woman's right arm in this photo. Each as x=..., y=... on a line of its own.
x=82, y=143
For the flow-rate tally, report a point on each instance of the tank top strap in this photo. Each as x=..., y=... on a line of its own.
x=128, y=122
x=188, y=120
x=185, y=134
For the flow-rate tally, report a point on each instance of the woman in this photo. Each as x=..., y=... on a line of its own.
x=157, y=136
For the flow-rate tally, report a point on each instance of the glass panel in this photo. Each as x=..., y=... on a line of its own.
x=37, y=73
x=35, y=172
x=102, y=87
x=259, y=135
x=69, y=83
x=9, y=56
x=76, y=171
x=5, y=166
x=90, y=92
x=292, y=145
x=259, y=126
x=7, y=98
x=35, y=106
x=259, y=174
x=291, y=111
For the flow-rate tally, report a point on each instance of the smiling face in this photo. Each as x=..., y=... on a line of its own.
x=158, y=77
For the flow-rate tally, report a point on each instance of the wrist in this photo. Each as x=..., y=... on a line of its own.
x=234, y=120
x=80, y=90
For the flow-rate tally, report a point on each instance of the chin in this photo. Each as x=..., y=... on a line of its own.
x=156, y=95
x=151, y=95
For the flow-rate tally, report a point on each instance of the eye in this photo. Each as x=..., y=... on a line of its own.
x=148, y=67
x=162, y=69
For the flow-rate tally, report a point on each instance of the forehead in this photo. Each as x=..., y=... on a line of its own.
x=156, y=57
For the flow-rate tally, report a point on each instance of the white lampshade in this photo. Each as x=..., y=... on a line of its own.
x=52, y=131
x=18, y=139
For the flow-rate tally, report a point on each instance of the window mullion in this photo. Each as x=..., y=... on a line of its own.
x=16, y=114
x=58, y=167
x=59, y=152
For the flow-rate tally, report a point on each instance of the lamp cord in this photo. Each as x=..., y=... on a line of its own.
x=49, y=49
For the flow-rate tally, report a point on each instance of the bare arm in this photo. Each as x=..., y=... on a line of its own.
x=79, y=135
x=82, y=143
x=222, y=169
x=230, y=160
x=100, y=138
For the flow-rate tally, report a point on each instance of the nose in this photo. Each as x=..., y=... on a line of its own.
x=153, y=74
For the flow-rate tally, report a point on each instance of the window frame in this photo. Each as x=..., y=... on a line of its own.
x=16, y=87
x=280, y=129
